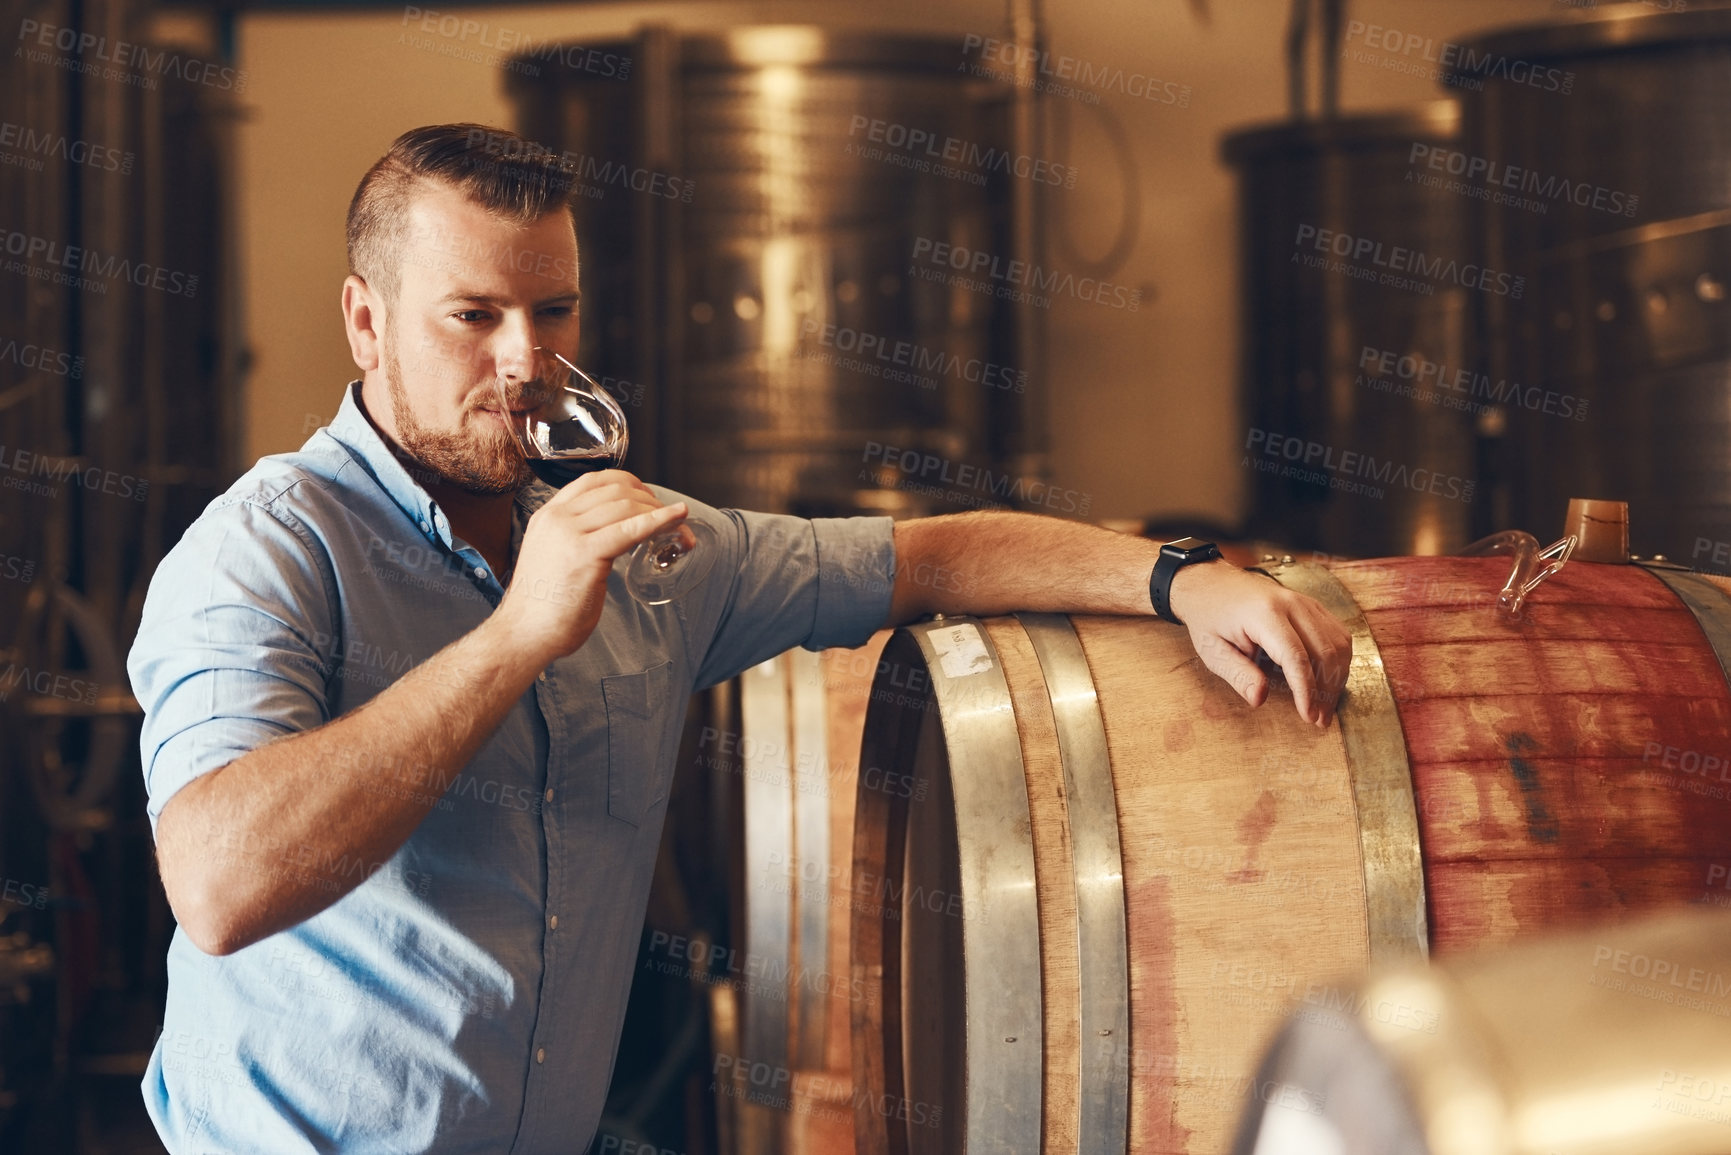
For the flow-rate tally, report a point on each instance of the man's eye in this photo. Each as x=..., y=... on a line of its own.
x=471, y=316
x=558, y=310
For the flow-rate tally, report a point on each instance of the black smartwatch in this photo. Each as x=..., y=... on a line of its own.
x=1174, y=556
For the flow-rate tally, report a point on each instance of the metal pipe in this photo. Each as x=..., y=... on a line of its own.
x=1028, y=443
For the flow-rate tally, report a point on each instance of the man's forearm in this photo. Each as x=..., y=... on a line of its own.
x=243, y=849
x=995, y=562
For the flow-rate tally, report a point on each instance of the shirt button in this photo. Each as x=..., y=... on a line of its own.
x=480, y=571
x=549, y=794
x=426, y=527
x=553, y=923
x=540, y=1054
x=542, y=676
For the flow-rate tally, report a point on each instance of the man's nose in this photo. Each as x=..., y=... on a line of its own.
x=514, y=350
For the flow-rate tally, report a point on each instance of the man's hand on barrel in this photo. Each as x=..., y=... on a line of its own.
x=1236, y=617
x=996, y=562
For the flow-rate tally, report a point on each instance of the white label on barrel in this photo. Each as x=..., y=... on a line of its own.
x=961, y=650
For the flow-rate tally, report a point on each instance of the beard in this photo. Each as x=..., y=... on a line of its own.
x=480, y=458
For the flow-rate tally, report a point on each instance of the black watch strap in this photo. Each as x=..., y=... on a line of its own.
x=1174, y=556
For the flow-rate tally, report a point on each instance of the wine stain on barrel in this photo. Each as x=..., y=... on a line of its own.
x=1179, y=736
x=1253, y=831
x=1156, y=1024
x=1541, y=824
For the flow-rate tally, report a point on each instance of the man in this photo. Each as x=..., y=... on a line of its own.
x=408, y=741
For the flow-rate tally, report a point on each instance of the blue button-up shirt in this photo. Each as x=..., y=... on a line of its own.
x=467, y=995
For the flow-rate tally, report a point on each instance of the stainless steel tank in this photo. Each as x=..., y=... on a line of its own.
x=1358, y=436
x=1618, y=123
x=760, y=281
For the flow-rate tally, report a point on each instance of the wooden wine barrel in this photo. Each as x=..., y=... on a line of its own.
x=798, y=739
x=1122, y=878
x=1600, y=1042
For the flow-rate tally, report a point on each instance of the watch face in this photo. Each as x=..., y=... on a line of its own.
x=1185, y=546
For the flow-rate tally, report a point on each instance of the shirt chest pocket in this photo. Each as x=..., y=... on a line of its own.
x=636, y=705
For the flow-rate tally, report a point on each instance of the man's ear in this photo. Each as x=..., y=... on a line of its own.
x=363, y=319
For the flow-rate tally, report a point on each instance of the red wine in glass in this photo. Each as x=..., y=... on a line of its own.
x=562, y=471
x=580, y=429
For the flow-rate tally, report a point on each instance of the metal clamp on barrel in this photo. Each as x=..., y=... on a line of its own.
x=957, y=686
x=1102, y=933
x=1000, y=903
x=1710, y=604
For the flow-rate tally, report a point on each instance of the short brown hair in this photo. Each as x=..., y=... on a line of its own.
x=493, y=167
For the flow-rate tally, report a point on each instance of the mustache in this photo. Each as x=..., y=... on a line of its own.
x=529, y=395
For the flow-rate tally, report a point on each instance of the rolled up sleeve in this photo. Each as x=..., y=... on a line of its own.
x=856, y=573
x=234, y=646
x=786, y=581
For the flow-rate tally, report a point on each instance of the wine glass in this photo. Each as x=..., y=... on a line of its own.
x=576, y=428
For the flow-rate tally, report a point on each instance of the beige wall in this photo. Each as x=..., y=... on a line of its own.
x=1144, y=404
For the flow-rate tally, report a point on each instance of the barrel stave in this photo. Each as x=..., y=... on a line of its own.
x=1226, y=856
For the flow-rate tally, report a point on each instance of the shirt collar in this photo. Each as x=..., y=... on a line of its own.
x=374, y=454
